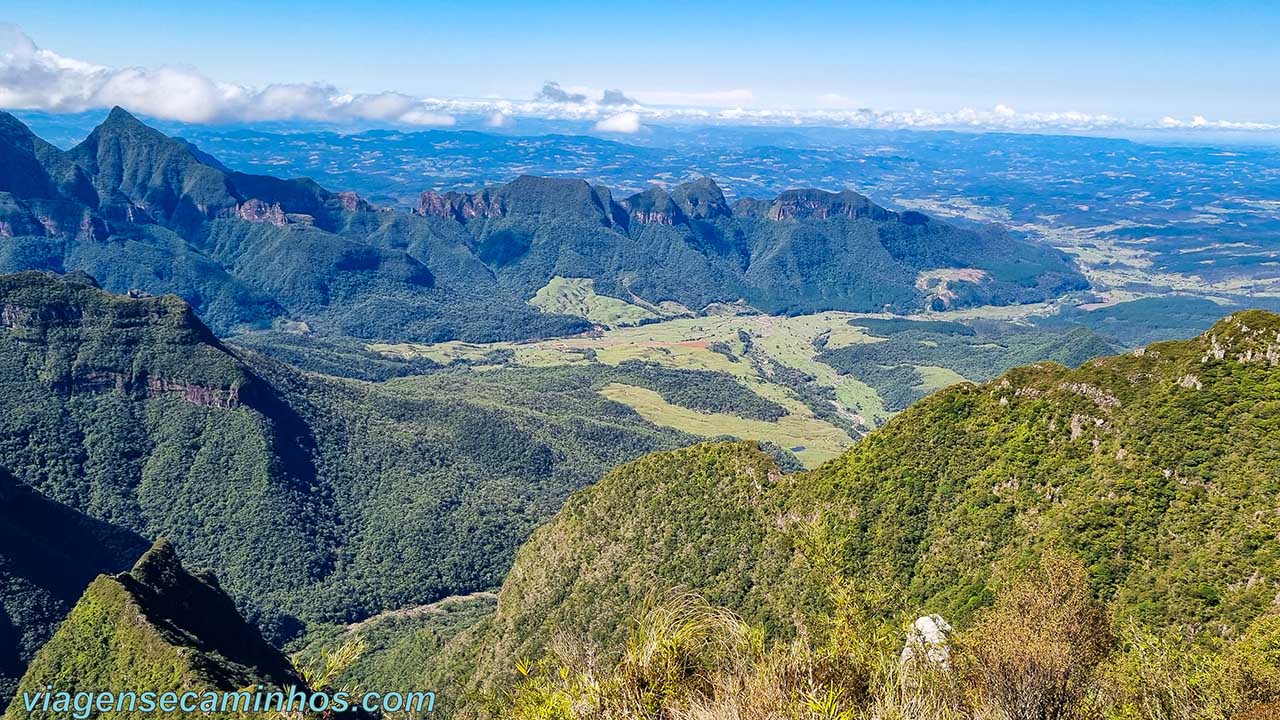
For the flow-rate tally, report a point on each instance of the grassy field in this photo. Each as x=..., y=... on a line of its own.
x=766, y=353
x=810, y=439
x=774, y=356
x=577, y=296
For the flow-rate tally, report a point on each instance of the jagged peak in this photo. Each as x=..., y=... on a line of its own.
x=159, y=614
x=159, y=565
x=120, y=117
x=119, y=123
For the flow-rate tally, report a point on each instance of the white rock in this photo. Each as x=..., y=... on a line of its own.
x=927, y=639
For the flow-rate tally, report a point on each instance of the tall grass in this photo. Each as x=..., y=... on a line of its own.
x=1044, y=651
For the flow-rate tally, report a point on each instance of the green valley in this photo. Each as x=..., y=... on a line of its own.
x=126, y=417
x=837, y=375
x=1142, y=484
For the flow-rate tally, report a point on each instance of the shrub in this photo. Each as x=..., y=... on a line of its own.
x=1032, y=656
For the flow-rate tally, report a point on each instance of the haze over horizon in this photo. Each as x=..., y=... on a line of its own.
x=1186, y=68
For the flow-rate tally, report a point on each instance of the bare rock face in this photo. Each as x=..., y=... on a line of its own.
x=352, y=202
x=201, y=395
x=697, y=200
x=927, y=641
x=1246, y=337
x=461, y=206
x=654, y=206
x=255, y=210
x=817, y=204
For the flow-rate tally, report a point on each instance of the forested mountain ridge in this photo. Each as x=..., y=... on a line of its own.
x=137, y=209
x=1156, y=469
x=156, y=628
x=805, y=251
x=312, y=498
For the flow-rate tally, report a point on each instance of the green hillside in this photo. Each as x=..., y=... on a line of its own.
x=49, y=553
x=156, y=628
x=313, y=498
x=1156, y=471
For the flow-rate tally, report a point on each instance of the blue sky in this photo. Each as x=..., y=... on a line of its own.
x=1137, y=60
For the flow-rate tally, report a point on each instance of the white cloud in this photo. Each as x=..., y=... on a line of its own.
x=1199, y=122
x=34, y=78
x=626, y=122
x=39, y=79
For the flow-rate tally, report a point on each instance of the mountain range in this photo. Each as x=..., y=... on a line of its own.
x=138, y=210
x=505, y=533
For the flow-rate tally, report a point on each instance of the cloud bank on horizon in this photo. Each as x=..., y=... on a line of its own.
x=35, y=78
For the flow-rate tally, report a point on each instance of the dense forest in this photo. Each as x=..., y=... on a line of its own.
x=125, y=418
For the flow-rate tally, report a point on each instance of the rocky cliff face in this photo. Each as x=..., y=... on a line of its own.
x=461, y=206
x=82, y=340
x=255, y=210
x=135, y=208
x=654, y=206
x=817, y=204
x=528, y=196
x=698, y=200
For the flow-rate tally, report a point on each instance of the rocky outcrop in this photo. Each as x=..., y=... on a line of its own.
x=927, y=641
x=1246, y=337
x=201, y=395
x=461, y=206
x=52, y=218
x=818, y=204
x=653, y=207
x=697, y=200
x=254, y=210
x=75, y=338
x=352, y=202
x=526, y=196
